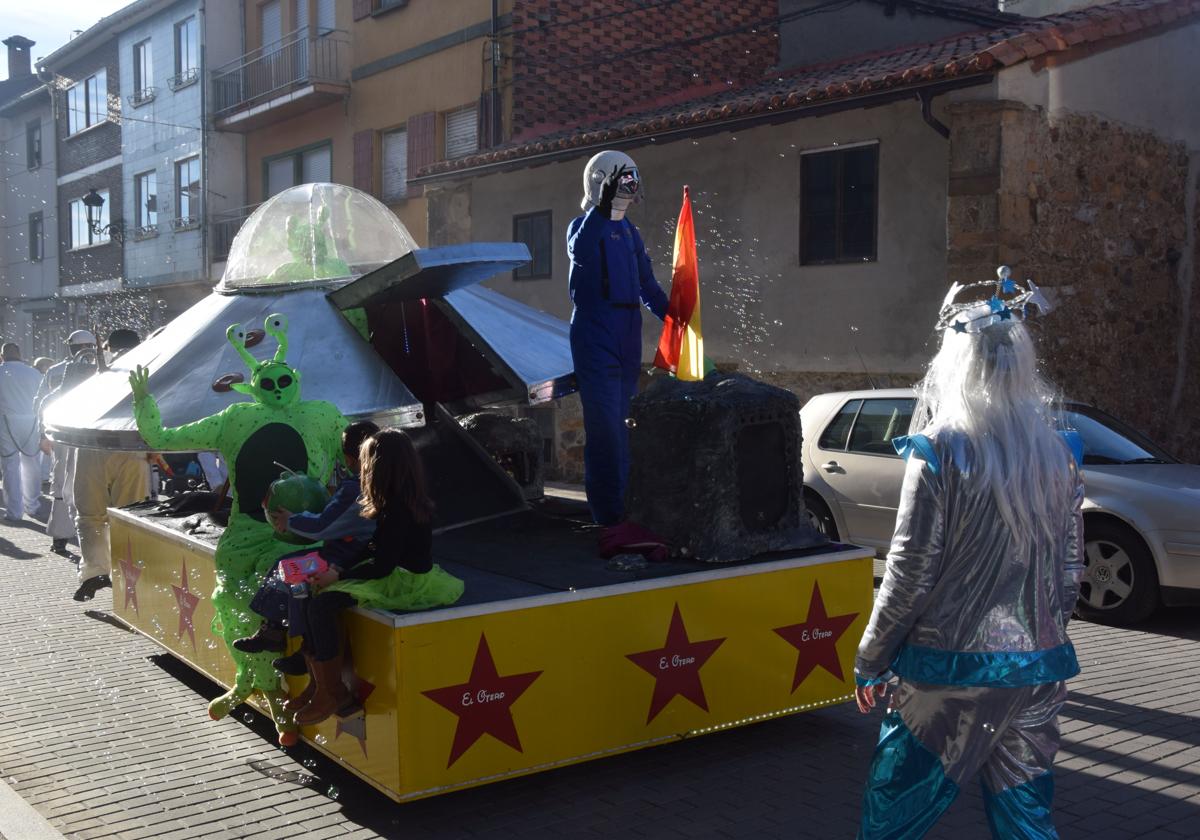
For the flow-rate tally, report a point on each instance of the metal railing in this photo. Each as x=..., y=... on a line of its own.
x=223, y=226
x=297, y=58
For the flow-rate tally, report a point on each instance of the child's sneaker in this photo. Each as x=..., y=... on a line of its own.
x=268, y=637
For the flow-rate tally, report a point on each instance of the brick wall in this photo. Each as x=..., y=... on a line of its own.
x=98, y=143
x=567, y=74
x=1095, y=212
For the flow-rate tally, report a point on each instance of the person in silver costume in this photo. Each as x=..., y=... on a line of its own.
x=970, y=624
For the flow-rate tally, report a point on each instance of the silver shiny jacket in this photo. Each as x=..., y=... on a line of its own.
x=962, y=603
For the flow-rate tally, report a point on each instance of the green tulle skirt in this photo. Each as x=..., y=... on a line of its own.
x=403, y=590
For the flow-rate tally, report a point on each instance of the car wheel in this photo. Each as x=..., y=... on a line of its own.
x=1120, y=583
x=819, y=515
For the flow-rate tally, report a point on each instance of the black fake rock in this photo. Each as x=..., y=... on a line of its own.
x=715, y=467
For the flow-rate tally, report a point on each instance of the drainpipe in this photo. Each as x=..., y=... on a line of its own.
x=205, y=256
x=494, y=99
x=927, y=114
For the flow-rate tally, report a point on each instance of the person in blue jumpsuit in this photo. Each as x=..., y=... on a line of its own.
x=610, y=280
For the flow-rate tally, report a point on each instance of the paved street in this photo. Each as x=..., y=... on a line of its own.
x=105, y=736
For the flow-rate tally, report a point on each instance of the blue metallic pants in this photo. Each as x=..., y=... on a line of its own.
x=936, y=738
x=608, y=361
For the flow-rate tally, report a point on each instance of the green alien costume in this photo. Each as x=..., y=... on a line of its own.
x=256, y=439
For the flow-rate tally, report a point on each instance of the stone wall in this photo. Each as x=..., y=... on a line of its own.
x=1098, y=214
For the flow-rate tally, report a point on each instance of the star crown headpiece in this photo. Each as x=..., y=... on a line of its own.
x=1009, y=300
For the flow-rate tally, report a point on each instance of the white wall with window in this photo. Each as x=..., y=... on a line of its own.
x=395, y=165
x=303, y=166
x=187, y=192
x=82, y=235
x=462, y=133
x=145, y=200
x=87, y=102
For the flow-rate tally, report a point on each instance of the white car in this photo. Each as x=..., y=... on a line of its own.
x=1141, y=509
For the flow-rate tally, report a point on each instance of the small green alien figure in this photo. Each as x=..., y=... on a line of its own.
x=310, y=247
x=255, y=439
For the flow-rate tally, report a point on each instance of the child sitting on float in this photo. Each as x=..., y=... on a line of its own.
x=346, y=535
x=399, y=575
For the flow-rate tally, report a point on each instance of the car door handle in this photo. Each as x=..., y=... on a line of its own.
x=832, y=467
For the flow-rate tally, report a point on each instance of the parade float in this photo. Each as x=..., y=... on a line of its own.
x=553, y=656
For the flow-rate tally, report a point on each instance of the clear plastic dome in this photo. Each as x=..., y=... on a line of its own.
x=314, y=233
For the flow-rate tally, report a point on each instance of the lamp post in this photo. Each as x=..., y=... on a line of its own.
x=94, y=202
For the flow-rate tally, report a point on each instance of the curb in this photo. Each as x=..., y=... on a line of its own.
x=19, y=820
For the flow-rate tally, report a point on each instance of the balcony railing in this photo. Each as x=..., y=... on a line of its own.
x=297, y=59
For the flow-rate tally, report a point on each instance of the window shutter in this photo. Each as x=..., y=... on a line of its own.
x=395, y=165
x=422, y=144
x=462, y=133
x=281, y=174
x=301, y=14
x=316, y=166
x=326, y=16
x=364, y=161
x=272, y=24
x=363, y=8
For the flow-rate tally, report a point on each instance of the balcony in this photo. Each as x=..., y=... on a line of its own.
x=224, y=225
x=296, y=74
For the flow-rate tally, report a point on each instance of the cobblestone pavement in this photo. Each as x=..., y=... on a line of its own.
x=106, y=736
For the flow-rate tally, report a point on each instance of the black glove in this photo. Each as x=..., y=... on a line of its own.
x=608, y=190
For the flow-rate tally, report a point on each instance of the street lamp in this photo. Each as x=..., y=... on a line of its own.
x=94, y=203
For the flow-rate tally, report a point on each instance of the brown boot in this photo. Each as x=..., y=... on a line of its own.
x=331, y=695
x=302, y=699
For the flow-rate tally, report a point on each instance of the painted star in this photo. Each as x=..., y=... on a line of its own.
x=186, y=600
x=129, y=575
x=1008, y=285
x=1005, y=314
x=816, y=639
x=676, y=666
x=356, y=725
x=483, y=703
x=960, y=326
x=995, y=304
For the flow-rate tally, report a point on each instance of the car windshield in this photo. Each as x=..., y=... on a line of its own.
x=1108, y=441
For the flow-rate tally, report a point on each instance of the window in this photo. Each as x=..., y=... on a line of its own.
x=87, y=102
x=81, y=233
x=303, y=166
x=187, y=192
x=837, y=432
x=33, y=144
x=839, y=192
x=878, y=422
x=270, y=18
x=36, y=242
x=143, y=74
x=395, y=165
x=187, y=48
x=145, y=199
x=535, y=230
x=326, y=19
x=462, y=133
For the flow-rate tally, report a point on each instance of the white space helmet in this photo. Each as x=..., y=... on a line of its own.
x=600, y=167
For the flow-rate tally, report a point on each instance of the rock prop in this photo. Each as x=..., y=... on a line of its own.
x=298, y=493
x=515, y=443
x=715, y=467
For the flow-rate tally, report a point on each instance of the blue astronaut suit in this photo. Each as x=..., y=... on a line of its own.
x=610, y=279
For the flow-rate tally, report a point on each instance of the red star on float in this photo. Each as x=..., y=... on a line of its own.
x=816, y=639
x=676, y=666
x=356, y=725
x=186, y=600
x=483, y=703
x=130, y=574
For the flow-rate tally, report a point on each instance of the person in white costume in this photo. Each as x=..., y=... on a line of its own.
x=104, y=479
x=78, y=366
x=20, y=435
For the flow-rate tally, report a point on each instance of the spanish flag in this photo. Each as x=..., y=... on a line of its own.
x=681, y=346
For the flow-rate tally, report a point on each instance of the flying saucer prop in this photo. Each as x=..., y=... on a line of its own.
x=379, y=327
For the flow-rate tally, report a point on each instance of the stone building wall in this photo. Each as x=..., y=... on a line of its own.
x=1102, y=216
